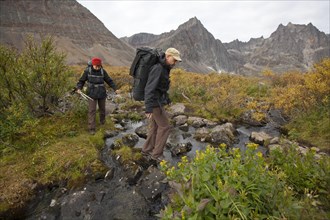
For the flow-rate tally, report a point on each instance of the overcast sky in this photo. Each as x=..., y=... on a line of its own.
x=226, y=20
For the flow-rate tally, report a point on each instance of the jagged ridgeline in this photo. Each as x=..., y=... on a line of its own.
x=81, y=35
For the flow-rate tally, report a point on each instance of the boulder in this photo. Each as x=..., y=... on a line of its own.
x=260, y=137
x=142, y=131
x=181, y=149
x=180, y=120
x=196, y=122
x=130, y=140
x=152, y=185
x=202, y=134
x=177, y=109
x=184, y=127
x=110, y=134
x=247, y=118
x=223, y=134
x=210, y=124
x=186, y=135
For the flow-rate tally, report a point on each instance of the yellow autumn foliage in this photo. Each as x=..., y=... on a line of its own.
x=298, y=93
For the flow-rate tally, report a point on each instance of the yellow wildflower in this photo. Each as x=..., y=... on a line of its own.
x=259, y=154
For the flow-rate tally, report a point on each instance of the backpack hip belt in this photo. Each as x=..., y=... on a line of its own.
x=95, y=85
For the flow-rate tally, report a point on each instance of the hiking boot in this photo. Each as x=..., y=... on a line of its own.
x=158, y=159
x=145, y=154
x=92, y=131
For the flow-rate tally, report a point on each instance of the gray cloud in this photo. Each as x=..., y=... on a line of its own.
x=226, y=20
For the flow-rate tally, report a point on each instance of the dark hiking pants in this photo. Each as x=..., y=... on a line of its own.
x=159, y=129
x=92, y=112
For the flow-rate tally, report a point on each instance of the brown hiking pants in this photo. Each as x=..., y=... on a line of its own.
x=92, y=112
x=159, y=130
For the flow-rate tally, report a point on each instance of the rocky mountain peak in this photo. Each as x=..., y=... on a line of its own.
x=290, y=47
x=191, y=23
x=200, y=51
x=75, y=29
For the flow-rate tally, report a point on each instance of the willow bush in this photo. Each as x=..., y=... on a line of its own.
x=215, y=95
x=305, y=99
x=32, y=82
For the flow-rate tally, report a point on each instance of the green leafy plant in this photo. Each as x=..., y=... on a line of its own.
x=218, y=184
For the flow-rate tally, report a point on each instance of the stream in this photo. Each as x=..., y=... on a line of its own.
x=114, y=198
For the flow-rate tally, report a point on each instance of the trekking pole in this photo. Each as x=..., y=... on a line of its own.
x=85, y=96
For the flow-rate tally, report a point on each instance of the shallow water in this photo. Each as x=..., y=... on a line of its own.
x=178, y=136
x=41, y=208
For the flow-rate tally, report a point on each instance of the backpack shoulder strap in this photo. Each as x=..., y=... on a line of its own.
x=135, y=63
x=89, y=70
x=102, y=73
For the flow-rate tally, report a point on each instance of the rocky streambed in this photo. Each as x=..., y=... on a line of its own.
x=137, y=189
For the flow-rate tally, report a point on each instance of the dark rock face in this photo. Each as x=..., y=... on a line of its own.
x=201, y=52
x=75, y=29
x=291, y=47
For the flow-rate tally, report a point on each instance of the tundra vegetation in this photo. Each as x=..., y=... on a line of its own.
x=40, y=144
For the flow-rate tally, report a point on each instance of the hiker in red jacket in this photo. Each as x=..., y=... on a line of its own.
x=96, y=76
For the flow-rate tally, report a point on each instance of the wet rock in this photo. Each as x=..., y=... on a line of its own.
x=119, y=127
x=133, y=172
x=130, y=140
x=104, y=202
x=177, y=109
x=110, y=134
x=126, y=205
x=181, y=148
x=186, y=135
x=276, y=116
x=169, y=145
x=196, y=122
x=184, y=127
x=210, y=124
x=247, y=118
x=142, y=131
x=117, y=144
x=180, y=120
x=202, y=134
x=261, y=138
x=223, y=134
x=152, y=185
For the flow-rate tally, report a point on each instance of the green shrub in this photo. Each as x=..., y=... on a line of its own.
x=234, y=185
x=44, y=75
x=304, y=173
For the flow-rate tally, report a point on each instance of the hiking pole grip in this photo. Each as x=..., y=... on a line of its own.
x=73, y=91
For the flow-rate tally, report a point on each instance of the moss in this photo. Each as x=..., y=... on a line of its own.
x=66, y=153
x=127, y=154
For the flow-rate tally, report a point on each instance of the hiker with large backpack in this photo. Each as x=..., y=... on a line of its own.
x=95, y=75
x=151, y=72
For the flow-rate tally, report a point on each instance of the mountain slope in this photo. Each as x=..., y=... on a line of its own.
x=201, y=52
x=76, y=30
x=291, y=47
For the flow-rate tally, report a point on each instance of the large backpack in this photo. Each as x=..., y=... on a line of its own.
x=145, y=58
